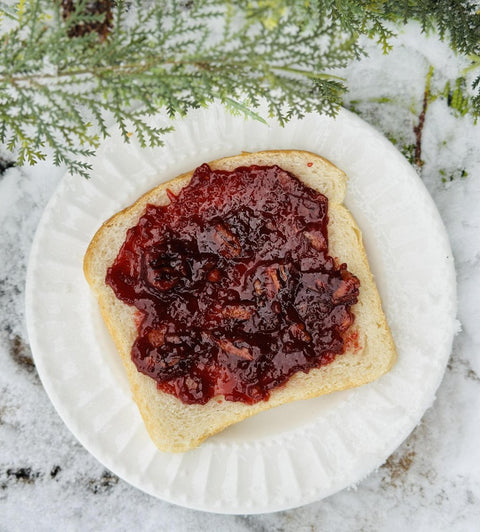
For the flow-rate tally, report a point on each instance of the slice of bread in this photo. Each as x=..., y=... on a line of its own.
x=175, y=426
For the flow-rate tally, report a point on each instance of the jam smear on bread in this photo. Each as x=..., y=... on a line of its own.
x=234, y=285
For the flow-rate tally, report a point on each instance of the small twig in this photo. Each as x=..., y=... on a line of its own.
x=418, y=129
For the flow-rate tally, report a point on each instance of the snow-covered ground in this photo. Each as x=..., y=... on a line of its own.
x=432, y=482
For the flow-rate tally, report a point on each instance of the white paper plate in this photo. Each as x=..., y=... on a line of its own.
x=294, y=454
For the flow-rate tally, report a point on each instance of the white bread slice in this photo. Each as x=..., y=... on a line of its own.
x=175, y=426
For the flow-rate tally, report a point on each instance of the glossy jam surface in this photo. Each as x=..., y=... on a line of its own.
x=234, y=286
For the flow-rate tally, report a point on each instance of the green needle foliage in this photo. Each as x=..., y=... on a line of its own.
x=68, y=68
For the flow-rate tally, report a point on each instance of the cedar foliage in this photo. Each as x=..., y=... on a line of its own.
x=70, y=67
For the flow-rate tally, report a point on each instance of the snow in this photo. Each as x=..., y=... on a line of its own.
x=432, y=482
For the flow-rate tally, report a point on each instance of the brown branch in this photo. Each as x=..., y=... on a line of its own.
x=418, y=129
x=100, y=7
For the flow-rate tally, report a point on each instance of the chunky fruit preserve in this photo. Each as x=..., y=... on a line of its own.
x=234, y=286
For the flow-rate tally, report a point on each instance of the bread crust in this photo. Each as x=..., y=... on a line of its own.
x=177, y=427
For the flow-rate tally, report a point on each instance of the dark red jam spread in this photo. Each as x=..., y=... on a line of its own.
x=234, y=286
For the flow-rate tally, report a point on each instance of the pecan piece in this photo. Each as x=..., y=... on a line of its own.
x=156, y=337
x=232, y=349
x=346, y=290
x=227, y=240
x=283, y=273
x=239, y=312
x=298, y=331
x=316, y=240
x=274, y=277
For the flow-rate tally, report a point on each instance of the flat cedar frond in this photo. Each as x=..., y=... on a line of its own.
x=70, y=67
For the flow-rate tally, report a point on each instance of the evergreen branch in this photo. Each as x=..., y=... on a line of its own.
x=67, y=69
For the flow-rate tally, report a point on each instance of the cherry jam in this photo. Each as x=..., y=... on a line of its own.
x=234, y=286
